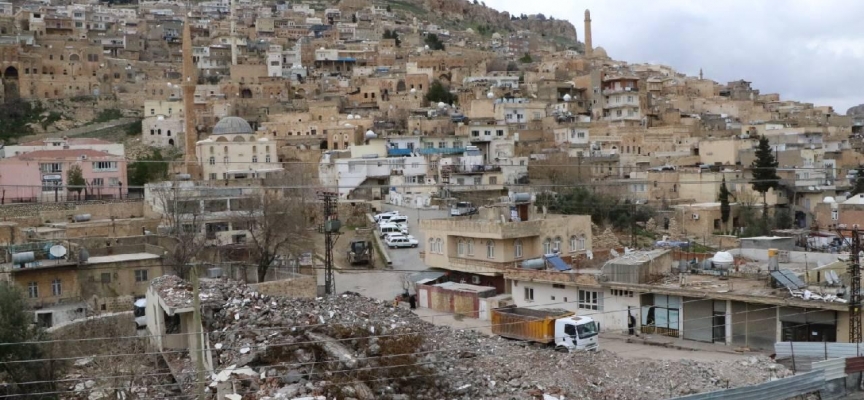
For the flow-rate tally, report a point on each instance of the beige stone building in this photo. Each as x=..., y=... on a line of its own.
x=234, y=151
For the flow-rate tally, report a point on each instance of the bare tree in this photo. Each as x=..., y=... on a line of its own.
x=278, y=218
x=182, y=221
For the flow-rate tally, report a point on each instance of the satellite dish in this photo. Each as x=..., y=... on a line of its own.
x=57, y=251
x=413, y=90
x=567, y=97
x=490, y=95
x=370, y=134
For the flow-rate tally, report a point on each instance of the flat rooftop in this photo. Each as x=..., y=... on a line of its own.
x=122, y=257
x=177, y=293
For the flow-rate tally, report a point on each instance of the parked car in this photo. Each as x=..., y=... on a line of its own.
x=401, y=241
x=386, y=228
x=399, y=219
x=463, y=208
x=139, y=311
x=384, y=216
x=395, y=235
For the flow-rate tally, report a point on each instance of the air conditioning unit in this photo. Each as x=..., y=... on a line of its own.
x=475, y=280
x=695, y=216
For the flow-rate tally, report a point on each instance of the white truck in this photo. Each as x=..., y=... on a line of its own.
x=551, y=326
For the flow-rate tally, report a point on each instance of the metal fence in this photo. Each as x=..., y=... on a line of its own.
x=799, y=356
x=780, y=389
x=832, y=378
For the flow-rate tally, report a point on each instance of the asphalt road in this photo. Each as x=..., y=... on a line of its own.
x=410, y=258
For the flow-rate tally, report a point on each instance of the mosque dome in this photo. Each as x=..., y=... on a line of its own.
x=600, y=52
x=232, y=126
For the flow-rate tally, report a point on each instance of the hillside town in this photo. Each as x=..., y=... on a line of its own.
x=408, y=200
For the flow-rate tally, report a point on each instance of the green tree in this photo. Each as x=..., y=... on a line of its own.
x=388, y=34
x=764, y=173
x=19, y=333
x=782, y=218
x=438, y=93
x=151, y=168
x=859, y=181
x=723, y=197
x=526, y=59
x=434, y=42
x=75, y=181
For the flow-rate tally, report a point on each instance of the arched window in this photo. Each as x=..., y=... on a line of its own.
x=580, y=242
x=490, y=249
x=439, y=246
x=169, y=133
x=225, y=149
x=517, y=248
x=573, y=243
x=254, y=149
x=460, y=247
x=547, y=246
x=471, y=247
x=557, y=245
x=431, y=245
x=159, y=131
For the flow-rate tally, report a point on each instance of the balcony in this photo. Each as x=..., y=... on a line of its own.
x=473, y=169
x=609, y=91
x=441, y=150
x=474, y=264
x=573, y=278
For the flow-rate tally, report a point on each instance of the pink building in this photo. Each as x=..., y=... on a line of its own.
x=42, y=175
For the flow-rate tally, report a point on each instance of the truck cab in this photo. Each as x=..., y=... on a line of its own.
x=576, y=333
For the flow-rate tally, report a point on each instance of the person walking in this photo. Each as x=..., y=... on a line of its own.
x=631, y=323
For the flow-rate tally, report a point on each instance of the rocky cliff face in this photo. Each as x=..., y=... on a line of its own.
x=468, y=13
x=856, y=111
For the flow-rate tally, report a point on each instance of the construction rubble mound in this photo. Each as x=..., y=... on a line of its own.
x=351, y=347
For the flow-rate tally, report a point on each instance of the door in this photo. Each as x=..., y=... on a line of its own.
x=719, y=327
x=484, y=309
x=424, y=298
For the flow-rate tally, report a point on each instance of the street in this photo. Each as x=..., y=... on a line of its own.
x=383, y=284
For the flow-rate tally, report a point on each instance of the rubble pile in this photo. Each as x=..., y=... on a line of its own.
x=351, y=347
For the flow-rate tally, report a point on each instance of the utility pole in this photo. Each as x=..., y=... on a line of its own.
x=331, y=233
x=199, y=337
x=854, y=285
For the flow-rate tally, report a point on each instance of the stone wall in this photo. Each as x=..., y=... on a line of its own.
x=299, y=286
x=63, y=212
x=106, y=325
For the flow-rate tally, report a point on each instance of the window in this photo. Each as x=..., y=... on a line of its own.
x=254, y=159
x=835, y=214
x=577, y=242
x=622, y=293
x=589, y=300
x=557, y=286
x=267, y=158
x=431, y=245
x=517, y=248
x=475, y=133
x=212, y=174
x=460, y=247
x=56, y=287
x=557, y=244
x=580, y=135
x=140, y=275
x=438, y=246
x=547, y=246
x=470, y=247
x=493, y=180
x=113, y=181
x=33, y=290
x=499, y=132
x=529, y=294
x=51, y=168
x=104, y=166
x=212, y=161
x=490, y=249
x=225, y=160
x=478, y=180
x=98, y=182
x=106, y=277
x=442, y=145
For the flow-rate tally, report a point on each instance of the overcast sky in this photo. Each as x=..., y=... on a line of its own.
x=810, y=51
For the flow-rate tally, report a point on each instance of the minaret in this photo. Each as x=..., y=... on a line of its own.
x=190, y=78
x=588, y=48
x=700, y=74
x=233, y=34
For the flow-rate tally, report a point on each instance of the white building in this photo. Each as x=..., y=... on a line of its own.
x=234, y=151
x=162, y=131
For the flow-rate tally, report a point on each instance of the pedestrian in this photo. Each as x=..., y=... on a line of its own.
x=631, y=323
x=412, y=301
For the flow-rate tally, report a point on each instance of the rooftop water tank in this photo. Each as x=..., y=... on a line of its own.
x=23, y=258
x=81, y=217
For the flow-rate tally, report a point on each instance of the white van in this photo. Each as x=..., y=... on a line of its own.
x=399, y=219
x=384, y=229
